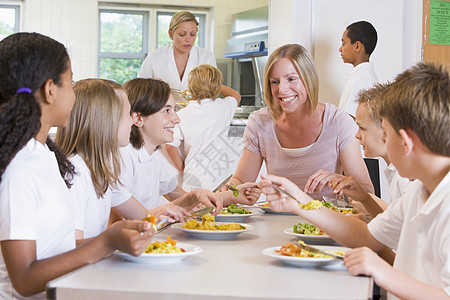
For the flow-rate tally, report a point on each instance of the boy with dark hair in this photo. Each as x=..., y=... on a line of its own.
x=415, y=112
x=358, y=42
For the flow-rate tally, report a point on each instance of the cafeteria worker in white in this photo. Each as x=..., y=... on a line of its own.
x=173, y=63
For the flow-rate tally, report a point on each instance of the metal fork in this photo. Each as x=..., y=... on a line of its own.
x=340, y=198
x=276, y=187
x=309, y=248
x=185, y=95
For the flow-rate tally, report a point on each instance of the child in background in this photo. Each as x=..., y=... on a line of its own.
x=143, y=172
x=373, y=140
x=203, y=128
x=415, y=111
x=99, y=124
x=358, y=42
x=37, y=216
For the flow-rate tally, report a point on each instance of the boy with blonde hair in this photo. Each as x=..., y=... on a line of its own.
x=203, y=129
x=373, y=141
x=415, y=111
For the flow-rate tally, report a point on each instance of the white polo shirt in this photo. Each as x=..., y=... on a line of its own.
x=397, y=184
x=362, y=77
x=418, y=226
x=202, y=139
x=95, y=211
x=144, y=176
x=35, y=204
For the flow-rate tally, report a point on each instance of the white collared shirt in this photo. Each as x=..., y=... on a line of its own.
x=144, y=176
x=161, y=64
x=35, y=204
x=418, y=226
x=202, y=139
x=95, y=211
x=362, y=77
x=397, y=185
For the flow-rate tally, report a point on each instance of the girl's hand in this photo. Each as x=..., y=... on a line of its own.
x=130, y=236
x=278, y=201
x=317, y=181
x=249, y=193
x=208, y=199
x=252, y=195
x=173, y=211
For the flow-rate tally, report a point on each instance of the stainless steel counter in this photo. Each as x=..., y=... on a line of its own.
x=234, y=269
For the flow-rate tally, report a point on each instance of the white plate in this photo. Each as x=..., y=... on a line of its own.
x=309, y=238
x=237, y=218
x=213, y=234
x=157, y=258
x=307, y=262
x=270, y=211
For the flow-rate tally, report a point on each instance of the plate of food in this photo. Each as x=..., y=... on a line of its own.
x=234, y=213
x=158, y=252
x=309, y=233
x=343, y=210
x=292, y=255
x=265, y=207
x=209, y=229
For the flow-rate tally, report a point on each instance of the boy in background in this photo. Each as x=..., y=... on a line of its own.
x=358, y=42
x=415, y=111
x=373, y=141
x=202, y=132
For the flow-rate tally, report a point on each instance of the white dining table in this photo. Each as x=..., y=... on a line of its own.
x=225, y=269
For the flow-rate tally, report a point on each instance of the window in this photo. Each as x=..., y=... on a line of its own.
x=9, y=20
x=127, y=35
x=123, y=44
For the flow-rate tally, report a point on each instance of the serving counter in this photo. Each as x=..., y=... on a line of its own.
x=231, y=269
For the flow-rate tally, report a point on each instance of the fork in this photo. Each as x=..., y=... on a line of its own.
x=300, y=204
x=163, y=225
x=309, y=248
x=340, y=198
x=185, y=94
x=276, y=187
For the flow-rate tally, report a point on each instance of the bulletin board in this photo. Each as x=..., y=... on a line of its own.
x=436, y=31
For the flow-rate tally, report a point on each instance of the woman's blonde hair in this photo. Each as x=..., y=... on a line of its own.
x=92, y=131
x=180, y=17
x=205, y=82
x=305, y=67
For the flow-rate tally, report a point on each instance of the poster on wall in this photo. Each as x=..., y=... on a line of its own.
x=439, y=22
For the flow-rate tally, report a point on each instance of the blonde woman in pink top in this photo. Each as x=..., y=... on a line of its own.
x=297, y=136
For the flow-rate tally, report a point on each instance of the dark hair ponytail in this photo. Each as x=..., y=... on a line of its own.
x=27, y=60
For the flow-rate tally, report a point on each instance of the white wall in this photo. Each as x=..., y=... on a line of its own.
x=319, y=24
x=316, y=24
x=75, y=23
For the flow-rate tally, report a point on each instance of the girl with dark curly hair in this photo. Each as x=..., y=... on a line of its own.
x=37, y=227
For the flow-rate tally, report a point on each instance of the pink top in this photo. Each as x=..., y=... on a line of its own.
x=337, y=133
